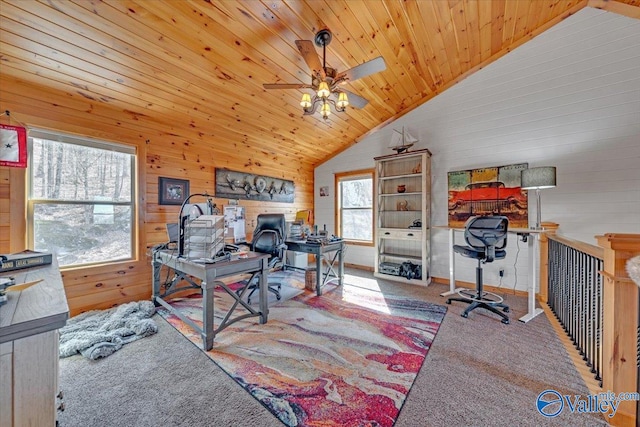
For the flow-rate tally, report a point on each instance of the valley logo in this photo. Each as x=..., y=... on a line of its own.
x=551, y=403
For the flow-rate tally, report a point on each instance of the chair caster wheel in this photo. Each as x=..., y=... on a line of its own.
x=465, y=315
x=449, y=301
x=278, y=297
x=505, y=321
x=506, y=309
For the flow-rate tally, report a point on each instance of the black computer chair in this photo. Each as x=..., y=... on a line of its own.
x=268, y=238
x=486, y=238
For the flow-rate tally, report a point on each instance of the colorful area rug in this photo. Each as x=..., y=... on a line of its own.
x=342, y=359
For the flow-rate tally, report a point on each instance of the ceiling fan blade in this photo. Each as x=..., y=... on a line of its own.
x=355, y=100
x=310, y=56
x=363, y=70
x=285, y=86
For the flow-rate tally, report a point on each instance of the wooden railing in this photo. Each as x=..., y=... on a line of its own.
x=575, y=297
x=588, y=290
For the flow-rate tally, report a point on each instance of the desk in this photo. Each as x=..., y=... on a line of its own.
x=321, y=252
x=254, y=264
x=29, y=324
x=534, y=266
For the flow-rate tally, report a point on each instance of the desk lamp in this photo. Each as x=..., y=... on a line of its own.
x=538, y=179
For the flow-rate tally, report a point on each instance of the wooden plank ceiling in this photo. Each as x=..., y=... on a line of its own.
x=194, y=69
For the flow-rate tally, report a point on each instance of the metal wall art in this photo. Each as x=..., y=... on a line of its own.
x=241, y=185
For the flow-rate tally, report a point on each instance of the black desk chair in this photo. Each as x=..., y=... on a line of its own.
x=268, y=238
x=486, y=238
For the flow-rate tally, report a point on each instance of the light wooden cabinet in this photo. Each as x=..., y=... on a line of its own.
x=29, y=324
x=402, y=216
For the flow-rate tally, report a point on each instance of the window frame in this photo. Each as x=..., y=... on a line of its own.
x=90, y=143
x=352, y=176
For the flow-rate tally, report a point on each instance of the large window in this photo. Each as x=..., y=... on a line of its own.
x=355, y=206
x=81, y=199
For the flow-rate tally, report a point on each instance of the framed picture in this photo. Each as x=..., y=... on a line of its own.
x=488, y=191
x=172, y=191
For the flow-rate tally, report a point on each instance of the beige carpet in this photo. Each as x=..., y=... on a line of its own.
x=479, y=372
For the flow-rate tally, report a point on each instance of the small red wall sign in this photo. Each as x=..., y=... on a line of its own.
x=13, y=146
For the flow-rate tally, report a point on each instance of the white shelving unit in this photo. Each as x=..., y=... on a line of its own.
x=397, y=238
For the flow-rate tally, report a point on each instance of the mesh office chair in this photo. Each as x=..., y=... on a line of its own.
x=486, y=237
x=268, y=238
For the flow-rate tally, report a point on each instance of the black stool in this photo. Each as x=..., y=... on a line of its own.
x=486, y=237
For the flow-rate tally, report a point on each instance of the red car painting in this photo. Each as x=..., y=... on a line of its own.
x=486, y=198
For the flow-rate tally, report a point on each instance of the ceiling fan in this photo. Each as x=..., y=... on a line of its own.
x=326, y=81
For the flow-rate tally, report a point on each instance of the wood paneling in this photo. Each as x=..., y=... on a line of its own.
x=194, y=69
x=159, y=154
x=12, y=221
x=5, y=210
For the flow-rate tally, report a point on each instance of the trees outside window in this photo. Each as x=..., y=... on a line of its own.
x=354, y=214
x=81, y=199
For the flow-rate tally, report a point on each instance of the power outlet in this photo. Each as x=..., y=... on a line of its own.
x=501, y=272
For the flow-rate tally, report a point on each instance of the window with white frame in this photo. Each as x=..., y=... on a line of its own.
x=81, y=199
x=354, y=209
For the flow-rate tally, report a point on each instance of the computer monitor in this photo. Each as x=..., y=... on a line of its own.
x=173, y=232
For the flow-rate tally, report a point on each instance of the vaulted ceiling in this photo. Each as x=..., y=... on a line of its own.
x=194, y=69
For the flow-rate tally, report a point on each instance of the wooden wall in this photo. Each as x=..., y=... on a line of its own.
x=162, y=150
x=12, y=227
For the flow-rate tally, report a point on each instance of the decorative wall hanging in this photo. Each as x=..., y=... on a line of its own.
x=247, y=186
x=488, y=191
x=13, y=146
x=172, y=191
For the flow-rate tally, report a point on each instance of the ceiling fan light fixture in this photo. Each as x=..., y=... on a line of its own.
x=306, y=101
x=325, y=80
x=323, y=90
x=343, y=101
x=325, y=110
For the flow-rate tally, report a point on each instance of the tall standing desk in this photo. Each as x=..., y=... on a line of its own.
x=254, y=264
x=322, y=251
x=534, y=266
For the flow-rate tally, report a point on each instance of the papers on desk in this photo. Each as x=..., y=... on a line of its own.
x=321, y=239
x=225, y=257
x=316, y=239
x=295, y=231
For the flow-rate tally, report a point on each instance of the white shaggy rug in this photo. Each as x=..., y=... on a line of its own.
x=633, y=269
x=100, y=333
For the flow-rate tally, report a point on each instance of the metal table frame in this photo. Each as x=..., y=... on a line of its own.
x=323, y=251
x=255, y=264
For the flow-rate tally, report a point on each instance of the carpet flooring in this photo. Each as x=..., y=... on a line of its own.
x=479, y=372
x=346, y=358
